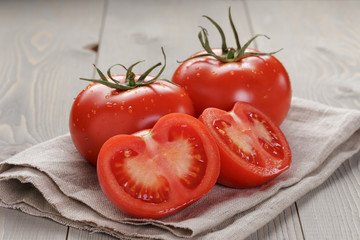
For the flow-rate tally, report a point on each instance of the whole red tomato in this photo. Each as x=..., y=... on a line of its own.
x=108, y=107
x=221, y=77
x=253, y=150
x=155, y=173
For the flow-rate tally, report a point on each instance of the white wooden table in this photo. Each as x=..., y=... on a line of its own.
x=45, y=46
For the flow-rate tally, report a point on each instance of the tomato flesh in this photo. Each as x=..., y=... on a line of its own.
x=253, y=149
x=158, y=172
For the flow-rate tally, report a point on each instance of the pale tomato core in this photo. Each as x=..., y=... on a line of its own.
x=243, y=136
x=147, y=176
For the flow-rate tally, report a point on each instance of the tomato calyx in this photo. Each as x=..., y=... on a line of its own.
x=228, y=54
x=130, y=82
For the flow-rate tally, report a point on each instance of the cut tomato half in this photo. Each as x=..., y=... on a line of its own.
x=253, y=150
x=157, y=172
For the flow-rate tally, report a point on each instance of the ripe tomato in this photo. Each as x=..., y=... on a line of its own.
x=221, y=77
x=259, y=80
x=101, y=111
x=157, y=172
x=253, y=149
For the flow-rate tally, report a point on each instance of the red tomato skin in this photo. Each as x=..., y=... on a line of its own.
x=100, y=112
x=236, y=172
x=260, y=80
x=180, y=197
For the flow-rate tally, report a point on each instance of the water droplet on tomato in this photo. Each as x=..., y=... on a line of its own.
x=198, y=74
x=107, y=96
x=115, y=92
x=109, y=104
x=130, y=109
x=232, y=73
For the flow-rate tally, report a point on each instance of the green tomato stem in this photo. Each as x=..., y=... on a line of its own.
x=130, y=76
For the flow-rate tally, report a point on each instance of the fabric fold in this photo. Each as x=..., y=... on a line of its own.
x=52, y=180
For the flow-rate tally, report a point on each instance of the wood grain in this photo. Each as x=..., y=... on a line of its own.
x=333, y=210
x=42, y=56
x=321, y=41
x=143, y=27
x=47, y=45
x=20, y=226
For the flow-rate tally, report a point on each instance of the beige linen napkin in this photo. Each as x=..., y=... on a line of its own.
x=52, y=180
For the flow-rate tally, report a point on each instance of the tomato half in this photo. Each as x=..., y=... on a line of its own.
x=253, y=149
x=157, y=172
x=100, y=112
x=259, y=80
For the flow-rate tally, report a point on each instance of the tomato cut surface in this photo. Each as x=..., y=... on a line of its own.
x=253, y=149
x=157, y=172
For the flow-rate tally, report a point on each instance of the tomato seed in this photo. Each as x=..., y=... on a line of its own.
x=127, y=153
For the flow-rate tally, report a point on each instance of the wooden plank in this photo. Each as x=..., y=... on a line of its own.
x=17, y=225
x=321, y=42
x=136, y=30
x=43, y=53
x=333, y=210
